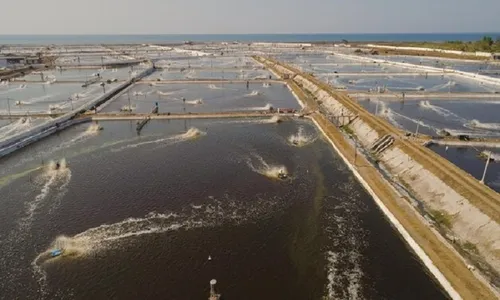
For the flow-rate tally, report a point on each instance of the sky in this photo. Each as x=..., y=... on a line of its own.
x=250, y=16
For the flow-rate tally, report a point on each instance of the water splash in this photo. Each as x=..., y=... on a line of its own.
x=273, y=120
x=128, y=108
x=214, y=87
x=19, y=125
x=91, y=131
x=259, y=165
x=111, y=236
x=439, y=110
x=48, y=179
x=191, y=134
x=440, y=87
x=190, y=75
x=253, y=93
x=475, y=124
x=195, y=102
x=169, y=93
x=267, y=107
x=301, y=139
x=38, y=99
x=387, y=113
x=493, y=156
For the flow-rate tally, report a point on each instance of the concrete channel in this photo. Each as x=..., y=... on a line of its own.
x=41, y=131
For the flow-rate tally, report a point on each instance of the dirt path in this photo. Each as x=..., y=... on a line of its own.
x=443, y=256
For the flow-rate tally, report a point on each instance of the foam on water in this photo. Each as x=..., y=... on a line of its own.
x=266, y=107
x=128, y=108
x=190, y=75
x=387, y=113
x=192, y=133
x=195, y=102
x=473, y=133
x=91, y=131
x=113, y=236
x=214, y=87
x=420, y=122
x=494, y=156
x=169, y=93
x=17, y=126
x=441, y=87
x=347, y=242
x=47, y=180
x=301, y=139
x=252, y=94
x=273, y=120
x=440, y=111
x=259, y=165
x=486, y=126
x=37, y=99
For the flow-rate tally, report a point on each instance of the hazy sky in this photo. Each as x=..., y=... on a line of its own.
x=249, y=16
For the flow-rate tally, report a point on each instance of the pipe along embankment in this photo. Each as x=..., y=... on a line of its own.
x=454, y=213
x=37, y=133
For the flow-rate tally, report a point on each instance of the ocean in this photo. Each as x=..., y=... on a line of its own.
x=175, y=38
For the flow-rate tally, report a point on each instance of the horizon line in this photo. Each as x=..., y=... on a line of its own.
x=312, y=33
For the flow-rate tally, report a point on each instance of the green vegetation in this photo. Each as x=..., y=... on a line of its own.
x=347, y=130
x=441, y=217
x=470, y=247
x=486, y=44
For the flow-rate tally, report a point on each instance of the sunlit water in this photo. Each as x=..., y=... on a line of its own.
x=183, y=98
x=470, y=160
x=476, y=117
x=138, y=217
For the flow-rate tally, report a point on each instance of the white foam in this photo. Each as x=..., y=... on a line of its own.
x=301, y=139
x=259, y=165
x=439, y=110
x=402, y=231
x=266, y=107
x=107, y=236
x=214, y=87
x=487, y=126
x=170, y=93
x=19, y=125
x=387, y=113
x=253, y=93
x=198, y=101
x=37, y=99
x=48, y=179
x=192, y=133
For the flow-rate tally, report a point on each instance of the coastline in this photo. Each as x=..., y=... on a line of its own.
x=320, y=38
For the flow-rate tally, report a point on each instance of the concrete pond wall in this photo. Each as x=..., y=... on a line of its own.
x=468, y=225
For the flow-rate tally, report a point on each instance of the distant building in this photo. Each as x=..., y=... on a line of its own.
x=496, y=56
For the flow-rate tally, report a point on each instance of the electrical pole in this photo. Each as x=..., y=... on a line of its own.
x=8, y=107
x=418, y=124
x=486, y=167
x=355, y=152
x=129, y=105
